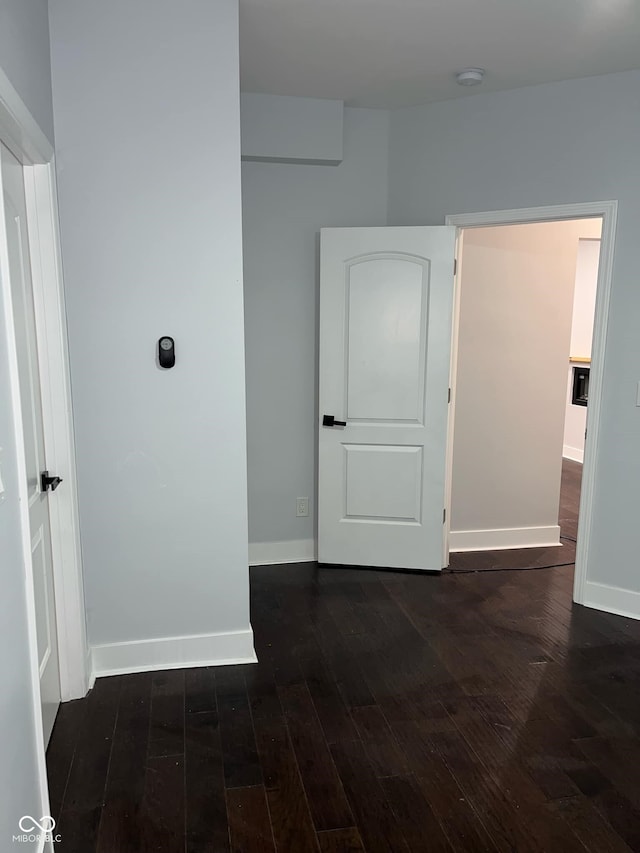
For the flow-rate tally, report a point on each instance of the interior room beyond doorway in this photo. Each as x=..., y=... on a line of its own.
x=526, y=305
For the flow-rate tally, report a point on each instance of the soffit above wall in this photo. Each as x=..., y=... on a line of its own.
x=280, y=129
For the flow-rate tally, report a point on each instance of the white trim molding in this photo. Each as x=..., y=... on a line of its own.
x=613, y=599
x=501, y=539
x=33, y=675
x=273, y=553
x=222, y=649
x=608, y=210
x=523, y=215
x=20, y=132
x=59, y=437
x=574, y=453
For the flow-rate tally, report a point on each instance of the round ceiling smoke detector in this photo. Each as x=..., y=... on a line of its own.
x=470, y=76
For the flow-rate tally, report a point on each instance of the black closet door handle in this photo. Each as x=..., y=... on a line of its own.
x=47, y=482
x=329, y=420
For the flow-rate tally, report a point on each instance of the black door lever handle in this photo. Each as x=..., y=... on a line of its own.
x=329, y=420
x=47, y=482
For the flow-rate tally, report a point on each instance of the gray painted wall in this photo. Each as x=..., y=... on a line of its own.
x=564, y=142
x=284, y=207
x=146, y=102
x=24, y=56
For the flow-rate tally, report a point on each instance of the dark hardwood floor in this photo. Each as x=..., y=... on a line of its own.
x=388, y=712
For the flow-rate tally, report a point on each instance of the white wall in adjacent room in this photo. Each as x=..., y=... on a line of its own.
x=146, y=101
x=514, y=333
x=284, y=207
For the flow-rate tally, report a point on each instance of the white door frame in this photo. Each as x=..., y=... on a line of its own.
x=608, y=210
x=22, y=135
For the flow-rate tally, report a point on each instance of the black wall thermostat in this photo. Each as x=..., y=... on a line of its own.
x=166, y=352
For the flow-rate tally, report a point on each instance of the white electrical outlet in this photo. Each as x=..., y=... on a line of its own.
x=302, y=507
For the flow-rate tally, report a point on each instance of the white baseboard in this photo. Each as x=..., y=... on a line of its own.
x=173, y=653
x=574, y=453
x=613, y=599
x=271, y=553
x=502, y=539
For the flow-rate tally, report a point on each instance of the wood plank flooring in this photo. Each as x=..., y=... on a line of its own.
x=388, y=713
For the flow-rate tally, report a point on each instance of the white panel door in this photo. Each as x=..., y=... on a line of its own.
x=386, y=297
x=25, y=330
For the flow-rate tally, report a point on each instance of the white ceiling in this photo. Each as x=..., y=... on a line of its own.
x=394, y=53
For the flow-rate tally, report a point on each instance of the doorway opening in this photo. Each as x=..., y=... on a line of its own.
x=522, y=355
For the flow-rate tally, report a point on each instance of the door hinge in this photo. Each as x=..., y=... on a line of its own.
x=585, y=435
x=449, y=396
x=455, y=266
x=444, y=515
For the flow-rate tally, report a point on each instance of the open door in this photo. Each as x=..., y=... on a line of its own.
x=386, y=297
x=39, y=484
